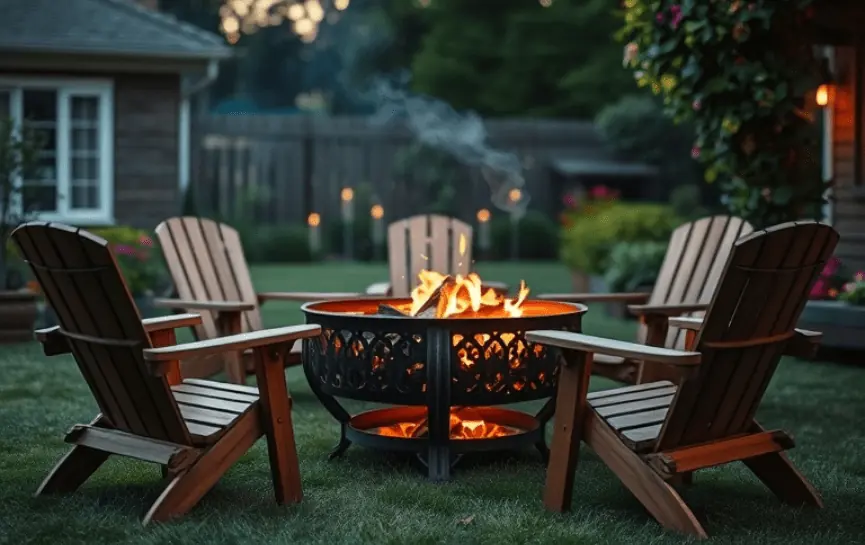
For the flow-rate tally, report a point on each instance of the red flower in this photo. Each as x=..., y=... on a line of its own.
x=695, y=152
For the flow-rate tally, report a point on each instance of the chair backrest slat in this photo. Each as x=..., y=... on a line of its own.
x=692, y=266
x=761, y=294
x=433, y=242
x=82, y=283
x=206, y=262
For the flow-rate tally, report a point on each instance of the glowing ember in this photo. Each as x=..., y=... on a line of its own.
x=459, y=429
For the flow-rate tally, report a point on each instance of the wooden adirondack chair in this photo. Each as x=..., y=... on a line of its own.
x=195, y=429
x=686, y=283
x=654, y=435
x=433, y=242
x=211, y=276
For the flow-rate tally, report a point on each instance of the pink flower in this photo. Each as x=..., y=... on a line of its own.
x=659, y=17
x=695, y=152
x=859, y=276
x=696, y=105
x=676, y=12
x=632, y=50
x=818, y=290
x=849, y=287
x=124, y=249
x=145, y=240
x=570, y=201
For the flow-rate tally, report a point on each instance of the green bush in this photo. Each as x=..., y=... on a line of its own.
x=139, y=258
x=537, y=234
x=276, y=244
x=634, y=264
x=588, y=239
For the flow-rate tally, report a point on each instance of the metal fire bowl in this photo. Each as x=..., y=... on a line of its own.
x=394, y=359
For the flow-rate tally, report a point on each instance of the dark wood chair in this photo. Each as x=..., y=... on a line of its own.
x=211, y=277
x=653, y=436
x=433, y=242
x=195, y=429
x=686, y=283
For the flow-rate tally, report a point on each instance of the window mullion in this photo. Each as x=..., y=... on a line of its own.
x=64, y=167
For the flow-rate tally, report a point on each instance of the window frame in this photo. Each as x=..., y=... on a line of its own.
x=66, y=89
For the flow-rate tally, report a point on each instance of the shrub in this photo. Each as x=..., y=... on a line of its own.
x=829, y=282
x=588, y=239
x=634, y=264
x=276, y=244
x=537, y=236
x=139, y=258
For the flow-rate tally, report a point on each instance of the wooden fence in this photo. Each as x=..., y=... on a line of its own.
x=279, y=169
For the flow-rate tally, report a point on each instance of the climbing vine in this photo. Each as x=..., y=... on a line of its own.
x=742, y=72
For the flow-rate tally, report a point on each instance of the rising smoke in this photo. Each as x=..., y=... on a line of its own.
x=461, y=135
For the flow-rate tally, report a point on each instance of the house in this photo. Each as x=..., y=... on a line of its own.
x=108, y=82
x=839, y=27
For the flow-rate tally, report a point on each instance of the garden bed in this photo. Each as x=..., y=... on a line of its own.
x=842, y=324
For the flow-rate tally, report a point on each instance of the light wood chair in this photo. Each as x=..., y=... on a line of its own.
x=211, y=276
x=431, y=242
x=653, y=436
x=686, y=283
x=194, y=429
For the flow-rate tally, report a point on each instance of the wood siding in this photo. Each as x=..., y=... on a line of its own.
x=849, y=191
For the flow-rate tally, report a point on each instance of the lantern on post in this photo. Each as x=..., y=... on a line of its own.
x=377, y=215
x=483, y=217
x=314, y=223
x=514, y=198
x=347, y=198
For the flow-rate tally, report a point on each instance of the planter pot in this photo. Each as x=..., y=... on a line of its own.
x=842, y=324
x=18, y=312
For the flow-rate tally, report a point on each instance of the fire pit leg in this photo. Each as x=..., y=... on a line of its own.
x=330, y=404
x=438, y=403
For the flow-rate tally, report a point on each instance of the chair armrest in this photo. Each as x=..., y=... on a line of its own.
x=666, y=310
x=174, y=321
x=303, y=297
x=804, y=344
x=379, y=288
x=595, y=297
x=232, y=343
x=691, y=323
x=215, y=306
x=610, y=347
x=53, y=341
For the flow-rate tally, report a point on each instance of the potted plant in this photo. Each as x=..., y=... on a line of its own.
x=836, y=308
x=19, y=160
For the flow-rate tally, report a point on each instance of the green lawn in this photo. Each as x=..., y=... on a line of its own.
x=367, y=498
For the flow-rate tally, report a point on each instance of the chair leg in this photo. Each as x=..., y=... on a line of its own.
x=658, y=497
x=186, y=488
x=781, y=477
x=279, y=430
x=570, y=414
x=72, y=470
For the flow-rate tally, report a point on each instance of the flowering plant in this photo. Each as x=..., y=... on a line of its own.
x=741, y=71
x=596, y=199
x=139, y=259
x=854, y=292
x=829, y=282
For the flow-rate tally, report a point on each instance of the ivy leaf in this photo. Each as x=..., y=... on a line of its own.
x=782, y=195
x=691, y=27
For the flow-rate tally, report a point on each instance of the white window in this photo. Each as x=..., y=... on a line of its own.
x=75, y=119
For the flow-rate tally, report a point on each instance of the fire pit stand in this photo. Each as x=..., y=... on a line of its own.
x=437, y=371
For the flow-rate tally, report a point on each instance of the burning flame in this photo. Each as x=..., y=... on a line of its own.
x=464, y=295
x=459, y=429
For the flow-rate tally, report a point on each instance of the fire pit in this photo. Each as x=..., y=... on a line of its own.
x=445, y=357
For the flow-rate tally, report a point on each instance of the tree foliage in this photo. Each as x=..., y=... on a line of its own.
x=522, y=58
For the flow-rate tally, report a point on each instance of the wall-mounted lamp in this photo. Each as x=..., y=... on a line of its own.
x=825, y=94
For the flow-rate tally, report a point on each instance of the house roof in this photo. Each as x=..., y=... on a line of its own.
x=103, y=27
